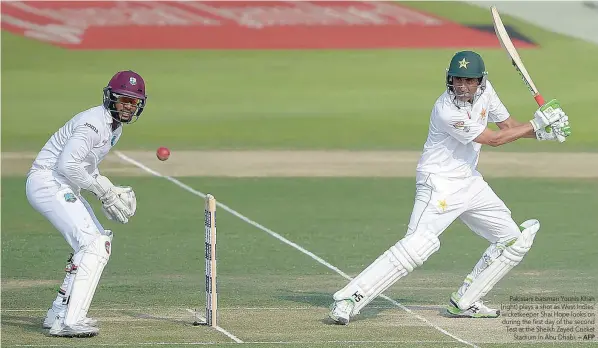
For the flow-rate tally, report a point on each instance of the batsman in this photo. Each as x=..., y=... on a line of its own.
x=67, y=164
x=449, y=187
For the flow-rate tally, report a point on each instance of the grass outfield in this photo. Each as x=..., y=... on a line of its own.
x=272, y=292
x=361, y=99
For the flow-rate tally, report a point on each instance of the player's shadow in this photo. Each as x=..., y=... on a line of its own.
x=28, y=324
x=137, y=315
x=377, y=306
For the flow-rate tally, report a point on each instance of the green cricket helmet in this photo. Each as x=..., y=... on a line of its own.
x=466, y=64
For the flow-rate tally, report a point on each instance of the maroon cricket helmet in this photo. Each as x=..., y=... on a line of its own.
x=128, y=84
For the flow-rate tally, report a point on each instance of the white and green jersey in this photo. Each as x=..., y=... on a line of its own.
x=74, y=152
x=449, y=150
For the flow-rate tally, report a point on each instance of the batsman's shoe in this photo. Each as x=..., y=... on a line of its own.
x=52, y=316
x=476, y=310
x=340, y=311
x=80, y=329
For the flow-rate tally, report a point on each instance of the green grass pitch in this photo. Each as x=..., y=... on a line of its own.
x=272, y=293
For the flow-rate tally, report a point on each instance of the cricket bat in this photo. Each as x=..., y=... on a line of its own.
x=507, y=45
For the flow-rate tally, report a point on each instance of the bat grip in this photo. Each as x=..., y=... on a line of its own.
x=539, y=99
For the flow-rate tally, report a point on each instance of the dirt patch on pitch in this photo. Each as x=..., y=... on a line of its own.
x=18, y=164
x=15, y=284
x=324, y=164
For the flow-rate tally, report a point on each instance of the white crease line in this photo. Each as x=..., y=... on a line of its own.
x=230, y=335
x=196, y=315
x=218, y=328
x=284, y=240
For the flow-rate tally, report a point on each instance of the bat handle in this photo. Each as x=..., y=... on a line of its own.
x=539, y=99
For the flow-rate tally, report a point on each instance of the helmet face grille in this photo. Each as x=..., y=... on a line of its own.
x=125, y=84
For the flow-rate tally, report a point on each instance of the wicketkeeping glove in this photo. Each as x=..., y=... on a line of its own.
x=112, y=205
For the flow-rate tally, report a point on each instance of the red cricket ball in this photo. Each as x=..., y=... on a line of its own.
x=163, y=153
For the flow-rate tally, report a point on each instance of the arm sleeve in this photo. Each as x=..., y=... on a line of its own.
x=497, y=112
x=459, y=126
x=76, y=149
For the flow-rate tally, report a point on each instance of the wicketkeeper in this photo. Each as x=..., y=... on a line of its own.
x=67, y=163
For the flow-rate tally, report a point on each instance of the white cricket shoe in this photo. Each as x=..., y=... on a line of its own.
x=52, y=316
x=80, y=329
x=477, y=310
x=340, y=311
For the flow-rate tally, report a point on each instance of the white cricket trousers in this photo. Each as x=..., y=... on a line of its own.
x=439, y=201
x=66, y=209
x=70, y=214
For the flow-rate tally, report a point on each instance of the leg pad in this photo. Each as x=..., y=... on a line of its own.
x=91, y=259
x=498, y=268
x=399, y=260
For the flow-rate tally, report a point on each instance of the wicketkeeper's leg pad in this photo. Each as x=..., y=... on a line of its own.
x=398, y=261
x=498, y=268
x=90, y=260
